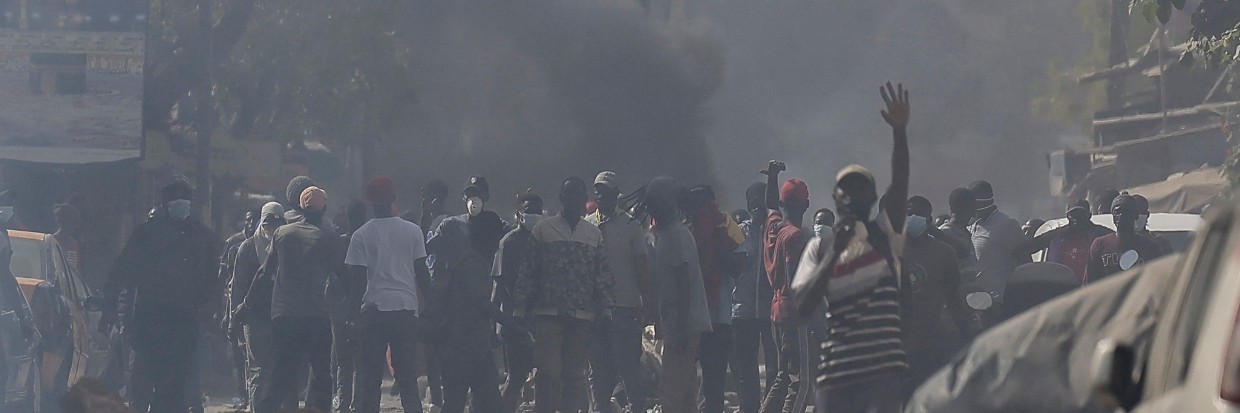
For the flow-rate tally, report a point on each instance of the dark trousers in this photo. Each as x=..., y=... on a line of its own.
x=469, y=369
x=381, y=329
x=879, y=395
x=259, y=359
x=785, y=392
x=615, y=355
x=344, y=358
x=519, y=361
x=236, y=351
x=747, y=335
x=165, y=342
x=296, y=341
x=714, y=349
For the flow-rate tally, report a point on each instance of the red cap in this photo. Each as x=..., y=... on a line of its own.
x=794, y=191
x=380, y=191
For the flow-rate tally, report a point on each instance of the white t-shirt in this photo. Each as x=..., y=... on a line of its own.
x=389, y=248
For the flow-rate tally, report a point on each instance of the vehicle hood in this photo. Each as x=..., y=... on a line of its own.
x=1040, y=360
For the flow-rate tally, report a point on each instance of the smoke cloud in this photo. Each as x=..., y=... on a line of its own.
x=530, y=92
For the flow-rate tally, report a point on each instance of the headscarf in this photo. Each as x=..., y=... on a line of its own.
x=262, y=238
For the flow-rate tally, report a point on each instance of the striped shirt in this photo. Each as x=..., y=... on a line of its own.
x=864, y=334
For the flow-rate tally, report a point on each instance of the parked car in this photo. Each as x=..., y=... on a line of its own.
x=21, y=352
x=64, y=312
x=1191, y=363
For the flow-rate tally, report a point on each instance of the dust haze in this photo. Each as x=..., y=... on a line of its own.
x=530, y=92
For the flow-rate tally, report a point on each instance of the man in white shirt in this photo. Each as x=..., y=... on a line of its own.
x=391, y=253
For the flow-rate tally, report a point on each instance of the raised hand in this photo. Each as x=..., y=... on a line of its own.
x=774, y=168
x=896, y=98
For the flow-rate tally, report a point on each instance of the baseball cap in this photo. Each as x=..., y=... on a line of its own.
x=608, y=179
x=479, y=187
x=313, y=199
x=794, y=191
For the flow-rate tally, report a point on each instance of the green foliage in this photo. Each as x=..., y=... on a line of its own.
x=332, y=70
x=326, y=69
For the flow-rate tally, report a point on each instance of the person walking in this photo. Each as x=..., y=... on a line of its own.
x=509, y=258
x=170, y=266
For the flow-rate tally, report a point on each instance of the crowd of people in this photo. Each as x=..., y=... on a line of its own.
x=872, y=291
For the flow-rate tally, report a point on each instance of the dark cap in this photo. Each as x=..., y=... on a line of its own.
x=478, y=187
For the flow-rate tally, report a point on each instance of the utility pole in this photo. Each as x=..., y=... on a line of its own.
x=204, y=122
x=1118, y=51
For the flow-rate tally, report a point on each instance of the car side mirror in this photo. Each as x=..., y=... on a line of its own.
x=1112, y=380
x=93, y=304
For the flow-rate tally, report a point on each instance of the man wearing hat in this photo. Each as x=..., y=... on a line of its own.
x=390, y=253
x=782, y=249
x=170, y=266
x=616, y=349
x=859, y=281
x=463, y=250
x=301, y=259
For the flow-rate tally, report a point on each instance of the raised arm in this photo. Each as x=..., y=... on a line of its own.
x=773, y=168
x=895, y=201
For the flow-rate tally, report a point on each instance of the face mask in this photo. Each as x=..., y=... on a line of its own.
x=1143, y=222
x=821, y=230
x=916, y=225
x=474, y=205
x=179, y=209
x=529, y=220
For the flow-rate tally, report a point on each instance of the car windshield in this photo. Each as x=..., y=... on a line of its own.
x=27, y=258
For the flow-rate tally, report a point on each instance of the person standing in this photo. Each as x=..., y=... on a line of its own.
x=783, y=246
x=717, y=238
x=751, y=310
x=931, y=275
x=616, y=350
x=511, y=256
x=463, y=250
x=863, y=360
x=256, y=329
x=1143, y=222
x=1069, y=244
x=564, y=286
x=1123, y=250
x=683, y=311
x=302, y=257
x=236, y=344
x=390, y=253
x=170, y=266
x=996, y=240
x=345, y=298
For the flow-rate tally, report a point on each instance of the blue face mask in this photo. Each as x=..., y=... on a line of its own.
x=915, y=225
x=179, y=209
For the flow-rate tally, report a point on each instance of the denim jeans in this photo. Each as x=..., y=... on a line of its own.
x=616, y=355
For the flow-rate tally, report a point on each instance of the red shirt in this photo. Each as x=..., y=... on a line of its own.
x=1105, y=253
x=781, y=253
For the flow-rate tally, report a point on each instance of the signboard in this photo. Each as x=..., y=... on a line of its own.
x=71, y=82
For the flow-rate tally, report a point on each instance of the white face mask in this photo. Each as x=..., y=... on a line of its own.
x=1143, y=222
x=474, y=205
x=821, y=230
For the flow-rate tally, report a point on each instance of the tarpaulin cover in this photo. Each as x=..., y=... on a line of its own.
x=1040, y=361
x=1184, y=193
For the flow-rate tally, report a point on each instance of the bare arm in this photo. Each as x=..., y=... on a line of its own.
x=895, y=201
x=773, y=168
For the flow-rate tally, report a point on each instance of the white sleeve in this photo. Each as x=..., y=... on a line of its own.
x=810, y=260
x=419, y=244
x=357, y=254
